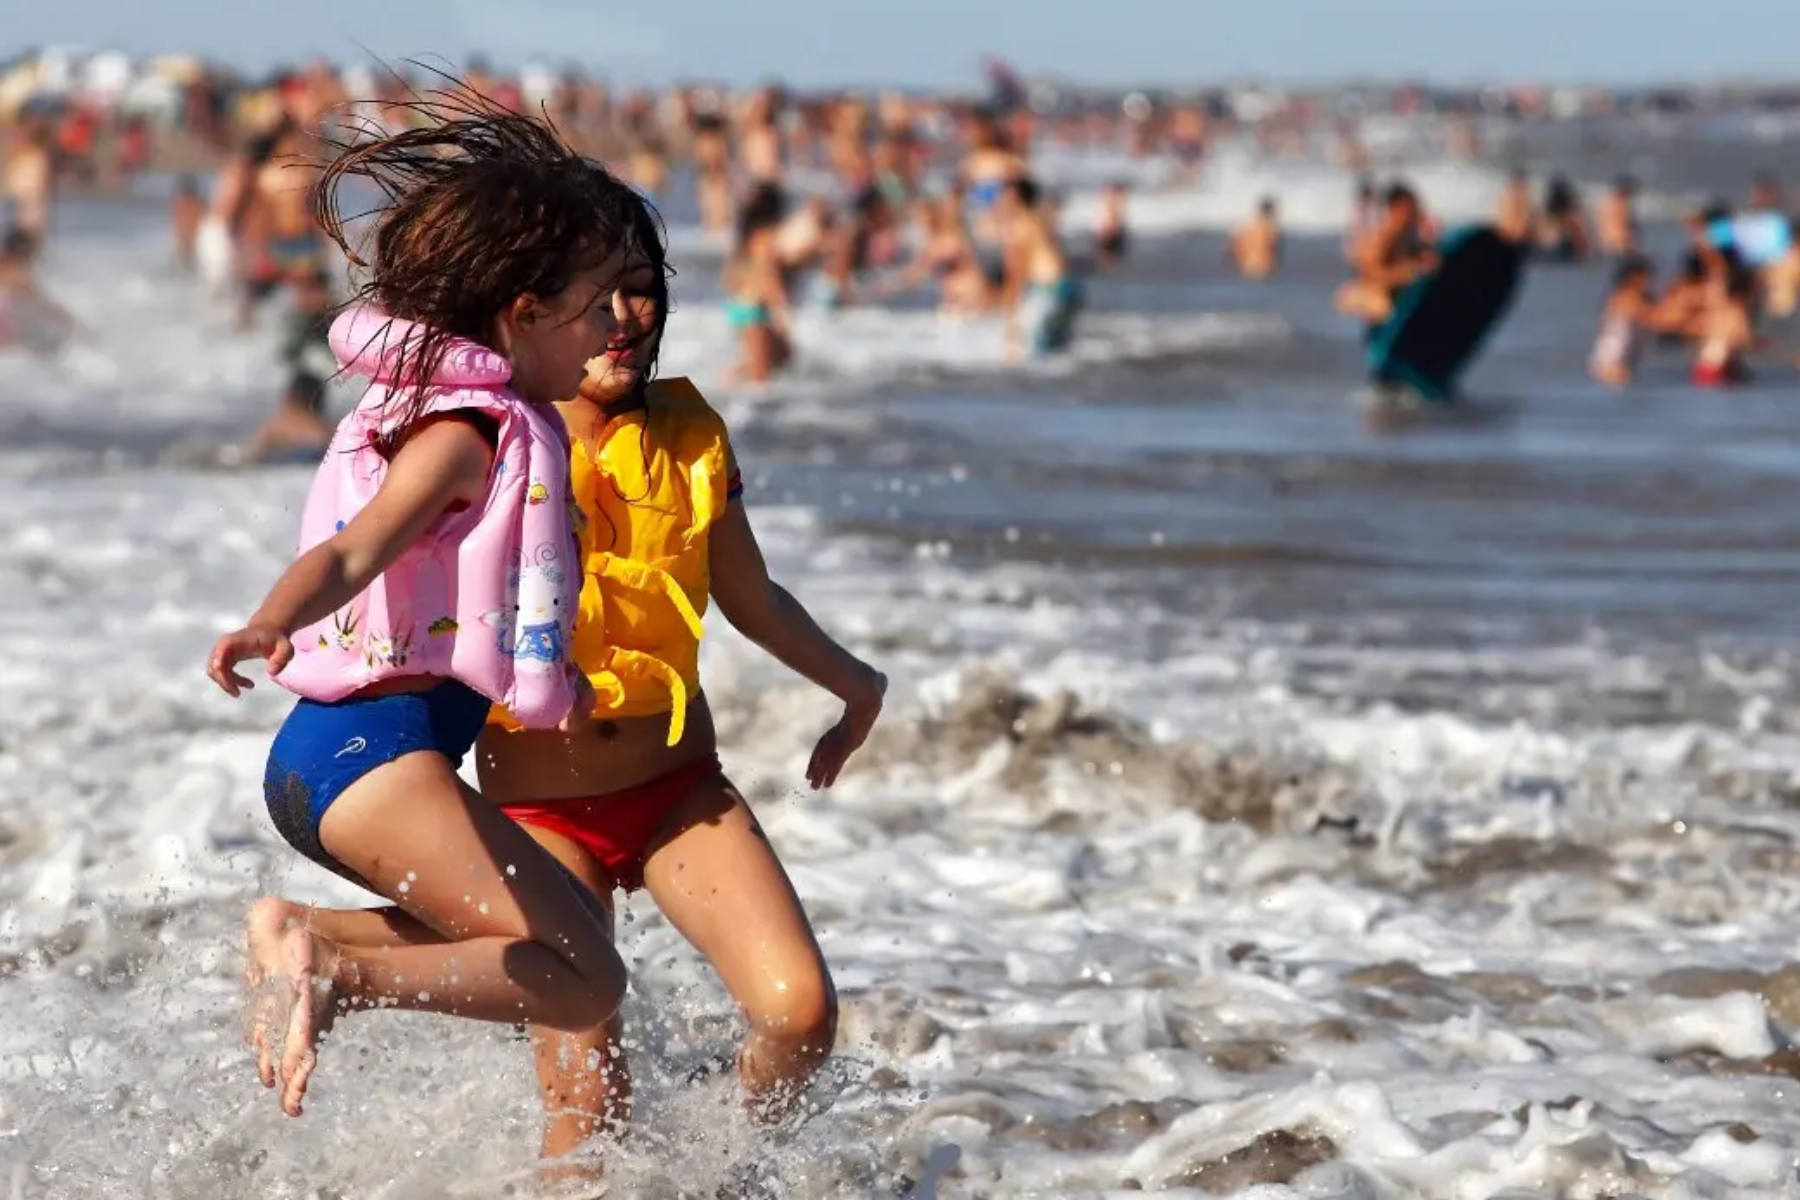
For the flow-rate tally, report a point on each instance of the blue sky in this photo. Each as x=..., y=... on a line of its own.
x=932, y=42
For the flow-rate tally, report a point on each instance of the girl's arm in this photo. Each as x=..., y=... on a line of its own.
x=444, y=461
x=766, y=613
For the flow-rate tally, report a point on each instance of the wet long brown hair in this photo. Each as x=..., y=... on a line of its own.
x=479, y=205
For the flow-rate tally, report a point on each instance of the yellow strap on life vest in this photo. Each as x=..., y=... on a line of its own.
x=639, y=665
x=645, y=666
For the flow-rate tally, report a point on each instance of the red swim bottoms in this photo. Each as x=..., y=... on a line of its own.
x=617, y=827
x=1725, y=374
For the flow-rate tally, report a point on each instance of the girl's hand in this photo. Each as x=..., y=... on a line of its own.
x=252, y=641
x=581, y=713
x=847, y=736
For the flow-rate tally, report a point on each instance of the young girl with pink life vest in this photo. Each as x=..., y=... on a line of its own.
x=439, y=574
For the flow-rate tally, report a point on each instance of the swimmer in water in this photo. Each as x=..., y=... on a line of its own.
x=850, y=245
x=1781, y=278
x=1187, y=137
x=439, y=575
x=254, y=203
x=1040, y=294
x=761, y=149
x=1389, y=258
x=1624, y=323
x=1563, y=235
x=757, y=305
x=1256, y=246
x=641, y=801
x=1727, y=329
x=291, y=242
x=988, y=166
x=947, y=255
x=1681, y=309
x=1111, y=237
x=712, y=167
x=1616, y=222
x=299, y=422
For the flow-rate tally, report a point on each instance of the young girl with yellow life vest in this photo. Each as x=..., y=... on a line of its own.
x=638, y=799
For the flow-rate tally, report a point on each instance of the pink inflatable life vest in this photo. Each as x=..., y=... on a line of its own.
x=486, y=596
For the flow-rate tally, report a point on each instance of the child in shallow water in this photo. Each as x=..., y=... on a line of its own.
x=757, y=304
x=1624, y=324
x=438, y=575
x=641, y=800
x=1727, y=332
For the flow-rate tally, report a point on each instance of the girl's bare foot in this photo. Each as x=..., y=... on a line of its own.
x=291, y=976
x=311, y=962
x=269, y=918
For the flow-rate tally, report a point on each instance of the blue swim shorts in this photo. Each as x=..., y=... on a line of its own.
x=324, y=748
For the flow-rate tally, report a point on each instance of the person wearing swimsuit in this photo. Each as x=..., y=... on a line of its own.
x=1623, y=324
x=1111, y=237
x=757, y=307
x=1616, y=218
x=1391, y=258
x=1256, y=246
x=641, y=801
x=987, y=168
x=1040, y=295
x=944, y=254
x=1563, y=235
x=1727, y=332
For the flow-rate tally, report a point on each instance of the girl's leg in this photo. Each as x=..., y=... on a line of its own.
x=583, y=1075
x=520, y=943
x=718, y=881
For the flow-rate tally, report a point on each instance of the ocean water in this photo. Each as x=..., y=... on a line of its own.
x=1263, y=808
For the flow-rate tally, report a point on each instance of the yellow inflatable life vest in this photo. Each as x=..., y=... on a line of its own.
x=649, y=485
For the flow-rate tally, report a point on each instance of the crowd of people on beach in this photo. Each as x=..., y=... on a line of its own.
x=845, y=200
